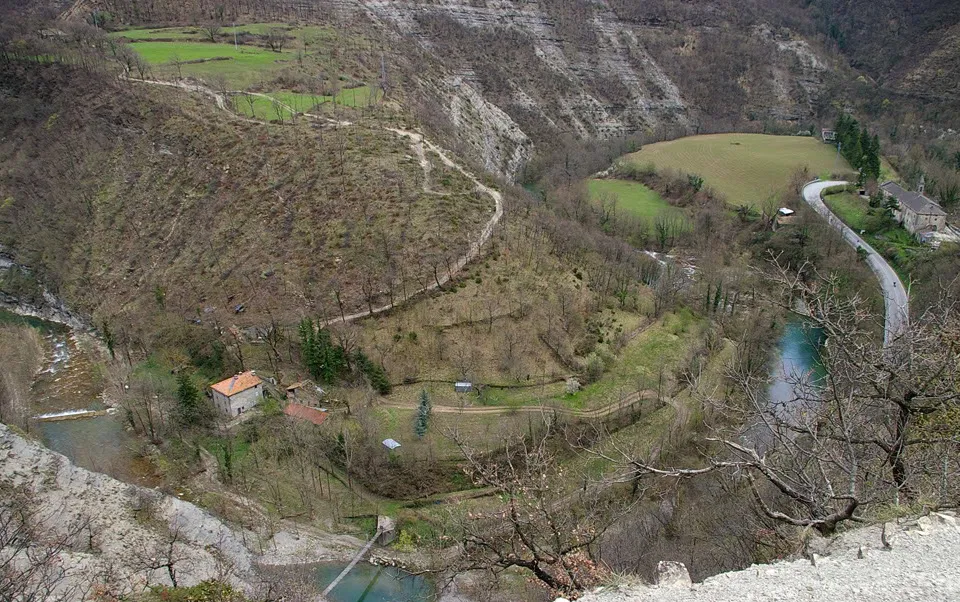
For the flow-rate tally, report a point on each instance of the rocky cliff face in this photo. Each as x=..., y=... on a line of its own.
x=130, y=532
x=507, y=76
x=514, y=74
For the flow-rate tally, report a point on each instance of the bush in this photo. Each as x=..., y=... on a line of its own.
x=206, y=591
x=405, y=542
x=594, y=368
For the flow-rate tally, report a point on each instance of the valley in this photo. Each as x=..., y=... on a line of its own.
x=531, y=297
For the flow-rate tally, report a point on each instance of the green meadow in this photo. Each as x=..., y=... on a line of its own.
x=746, y=168
x=632, y=197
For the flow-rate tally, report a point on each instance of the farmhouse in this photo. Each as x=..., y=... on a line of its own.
x=238, y=394
x=916, y=212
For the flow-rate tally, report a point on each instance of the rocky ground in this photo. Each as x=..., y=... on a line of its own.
x=921, y=561
x=131, y=533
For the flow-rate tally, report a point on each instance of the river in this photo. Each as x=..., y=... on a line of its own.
x=371, y=583
x=67, y=408
x=71, y=380
x=797, y=366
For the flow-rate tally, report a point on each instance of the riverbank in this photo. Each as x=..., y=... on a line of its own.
x=130, y=530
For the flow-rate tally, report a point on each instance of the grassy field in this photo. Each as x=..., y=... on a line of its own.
x=633, y=197
x=242, y=68
x=263, y=108
x=289, y=75
x=309, y=33
x=849, y=207
x=745, y=168
x=894, y=243
x=665, y=345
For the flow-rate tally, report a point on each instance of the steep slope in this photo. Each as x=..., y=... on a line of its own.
x=127, y=533
x=123, y=197
x=503, y=76
x=903, y=44
x=598, y=69
x=856, y=567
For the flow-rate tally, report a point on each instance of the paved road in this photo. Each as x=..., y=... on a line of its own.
x=894, y=296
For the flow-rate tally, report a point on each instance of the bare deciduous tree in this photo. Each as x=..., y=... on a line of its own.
x=878, y=427
x=212, y=30
x=166, y=554
x=541, y=527
x=276, y=38
x=31, y=567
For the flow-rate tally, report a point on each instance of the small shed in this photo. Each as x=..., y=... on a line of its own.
x=305, y=392
x=828, y=136
x=786, y=211
x=463, y=386
x=387, y=529
x=391, y=444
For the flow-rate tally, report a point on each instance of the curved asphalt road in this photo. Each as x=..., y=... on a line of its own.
x=894, y=296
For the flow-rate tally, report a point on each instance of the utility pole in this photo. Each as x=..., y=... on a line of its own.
x=236, y=46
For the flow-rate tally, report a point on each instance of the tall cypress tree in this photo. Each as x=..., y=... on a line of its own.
x=191, y=409
x=873, y=163
x=423, y=415
x=865, y=144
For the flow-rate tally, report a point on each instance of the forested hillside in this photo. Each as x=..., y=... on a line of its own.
x=501, y=78
x=121, y=194
x=910, y=47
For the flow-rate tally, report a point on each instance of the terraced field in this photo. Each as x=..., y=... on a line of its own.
x=291, y=73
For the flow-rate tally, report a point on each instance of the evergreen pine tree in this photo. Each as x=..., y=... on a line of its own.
x=865, y=144
x=308, y=347
x=873, y=163
x=423, y=415
x=191, y=409
x=852, y=150
x=374, y=373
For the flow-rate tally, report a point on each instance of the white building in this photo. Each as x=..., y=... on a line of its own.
x=918, y=213
x=238, y=394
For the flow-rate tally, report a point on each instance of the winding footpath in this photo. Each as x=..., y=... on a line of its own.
x=419, y=143
x=896, y=302
x=625, y=402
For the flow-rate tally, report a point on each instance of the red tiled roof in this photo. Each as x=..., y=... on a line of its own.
x=298, y=411
x=238, y=383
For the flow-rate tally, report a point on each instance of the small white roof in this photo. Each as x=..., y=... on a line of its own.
x=391, y=444
x=786, y=211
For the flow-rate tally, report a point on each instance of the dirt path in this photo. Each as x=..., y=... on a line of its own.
x=419, y=144
x=592, y=414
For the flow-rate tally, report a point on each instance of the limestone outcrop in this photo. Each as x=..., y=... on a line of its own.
x=914, y=560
